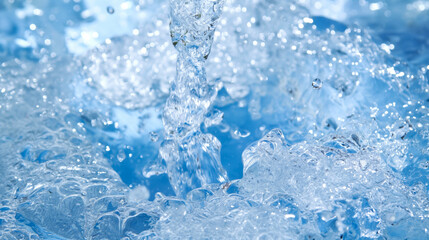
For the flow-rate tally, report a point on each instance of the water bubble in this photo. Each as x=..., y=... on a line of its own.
x=317, y=83
x=110, y=10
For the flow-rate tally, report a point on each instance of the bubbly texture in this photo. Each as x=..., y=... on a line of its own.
x=281, y=119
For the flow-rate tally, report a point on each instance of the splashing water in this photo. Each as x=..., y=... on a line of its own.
x=321, y=125
x=193, y=158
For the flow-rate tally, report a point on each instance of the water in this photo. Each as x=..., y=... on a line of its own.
x=317, y=83
x=192, y=157
x=313, y=113
x=110, y=10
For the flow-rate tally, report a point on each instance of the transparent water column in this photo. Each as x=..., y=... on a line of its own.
x=192, y=157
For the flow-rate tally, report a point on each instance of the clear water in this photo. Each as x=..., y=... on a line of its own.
x=308, y=119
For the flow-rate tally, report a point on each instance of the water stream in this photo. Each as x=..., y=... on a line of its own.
x=192, y=158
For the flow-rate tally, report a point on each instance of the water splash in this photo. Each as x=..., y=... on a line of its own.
x=350, y=160
x=192, y=157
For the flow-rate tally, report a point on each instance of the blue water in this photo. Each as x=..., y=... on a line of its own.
x=320, y=107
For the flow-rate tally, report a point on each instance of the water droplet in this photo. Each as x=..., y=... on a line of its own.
x=110, y=10
x=121, y=155
x=331, y=123
x=317, y=83
x=154, y=136
x=239, y=133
